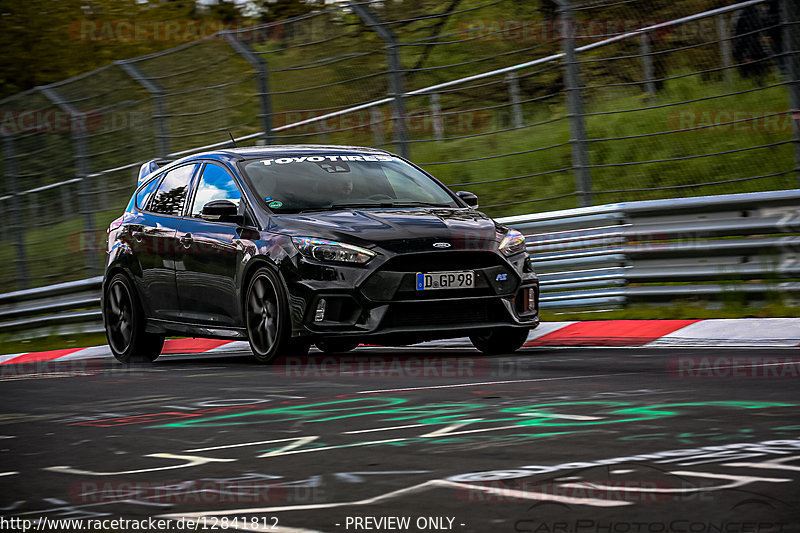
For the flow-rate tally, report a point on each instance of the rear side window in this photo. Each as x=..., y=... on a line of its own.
x=171, y=194
x=146, y=192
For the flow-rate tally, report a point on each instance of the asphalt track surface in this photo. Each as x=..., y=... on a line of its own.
x=573, y=440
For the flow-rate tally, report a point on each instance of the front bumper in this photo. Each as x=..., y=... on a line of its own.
x=382, y=301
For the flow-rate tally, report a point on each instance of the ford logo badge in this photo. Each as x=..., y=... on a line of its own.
x=441, y=245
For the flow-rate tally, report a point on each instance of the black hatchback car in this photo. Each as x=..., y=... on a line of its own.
x=289, y=246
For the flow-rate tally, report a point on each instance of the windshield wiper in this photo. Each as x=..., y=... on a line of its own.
x=349, y=205
x=344, y=205
x=420, y=204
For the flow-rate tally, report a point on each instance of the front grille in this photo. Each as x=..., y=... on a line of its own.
x=396, y=279
x=451, y=313
x=442, y=261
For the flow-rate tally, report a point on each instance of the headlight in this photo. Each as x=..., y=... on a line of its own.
x=323, y=250
x=512, y=243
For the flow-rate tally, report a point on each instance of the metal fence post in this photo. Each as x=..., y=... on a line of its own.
x=159, y=108
x=575, y=109
x=791, y=70
x=82, y=168
x=395, y=74
x=15, y=215
x=436, y=116
x=261, y=69
x=513, y=93
x=647, y=64
x=723, y=34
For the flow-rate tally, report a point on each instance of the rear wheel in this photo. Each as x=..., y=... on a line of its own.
x=267, y=318
x=499, y=340
x=336, y=345
x=125, y=324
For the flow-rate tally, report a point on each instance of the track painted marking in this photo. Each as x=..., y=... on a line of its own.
x=383, y=429
x=541, y=496
x=191, y=460
x=776, y=464
x=291, y=451
x=356, y=477
x=735, y=481
x=451, y=430
x=286, y=449
x=256, y=443
x=496, y=383
x=305, y=507
x=540, y=414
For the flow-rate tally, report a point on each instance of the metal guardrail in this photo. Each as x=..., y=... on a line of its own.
x=662, y=250
x=61, y=309
x=608, y=255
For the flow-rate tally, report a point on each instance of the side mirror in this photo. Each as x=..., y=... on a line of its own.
x=222, y=211
x=469, y=198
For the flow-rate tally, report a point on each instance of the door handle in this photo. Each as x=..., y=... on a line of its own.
x=186, y=240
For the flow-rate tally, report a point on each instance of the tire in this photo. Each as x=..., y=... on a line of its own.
x=336, y=345
x=125, y=324
x=267, y=318
x=500, y=340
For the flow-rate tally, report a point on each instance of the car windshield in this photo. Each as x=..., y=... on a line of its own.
x=320, y=182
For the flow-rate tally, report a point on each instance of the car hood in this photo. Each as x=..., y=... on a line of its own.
x=399, y=230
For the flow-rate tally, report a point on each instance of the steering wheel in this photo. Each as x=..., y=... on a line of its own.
x=379, y=197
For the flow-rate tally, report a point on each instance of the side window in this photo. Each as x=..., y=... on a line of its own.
x=146, y=192
x=171, y=195
x=215, y=184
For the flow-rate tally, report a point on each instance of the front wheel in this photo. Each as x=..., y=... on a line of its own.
x=267, y=318
x=499, y=340
x=125, y=324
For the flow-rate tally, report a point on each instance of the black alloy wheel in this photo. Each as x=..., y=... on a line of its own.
x=125, y=324
x=267, y=319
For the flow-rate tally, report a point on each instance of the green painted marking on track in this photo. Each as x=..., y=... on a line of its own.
x=535, y=415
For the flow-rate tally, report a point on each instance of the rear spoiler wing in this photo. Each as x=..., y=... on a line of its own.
x=149, y=167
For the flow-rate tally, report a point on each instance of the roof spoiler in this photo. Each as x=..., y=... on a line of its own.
x=149, y=167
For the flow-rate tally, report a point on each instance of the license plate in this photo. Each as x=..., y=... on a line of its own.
x=445, y=280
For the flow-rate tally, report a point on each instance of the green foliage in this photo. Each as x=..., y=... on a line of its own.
x=45, y=41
